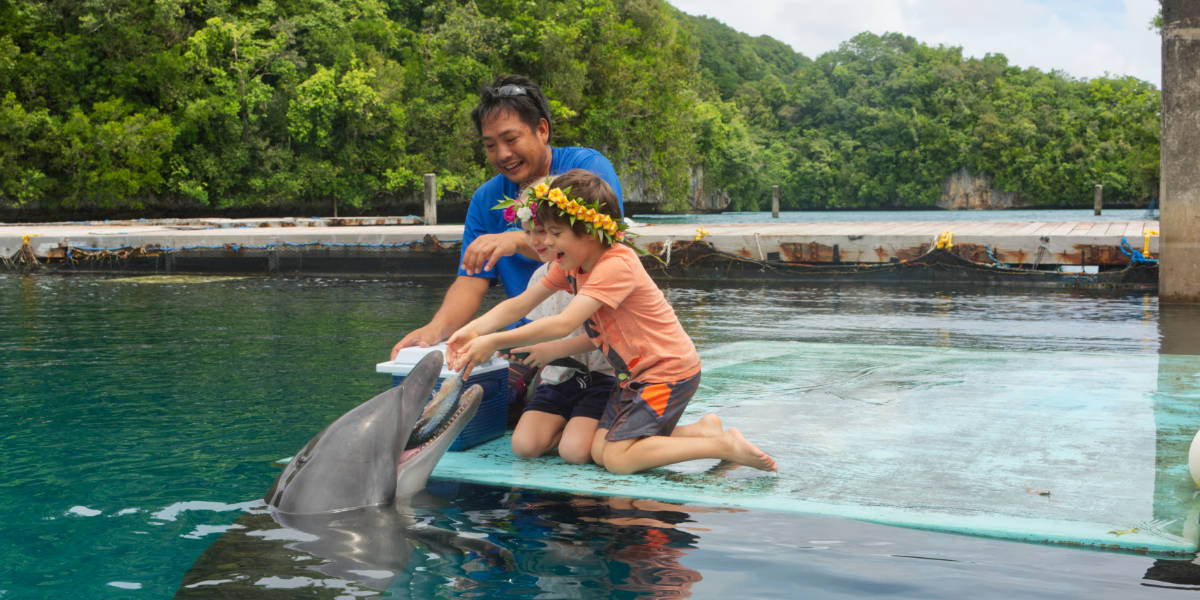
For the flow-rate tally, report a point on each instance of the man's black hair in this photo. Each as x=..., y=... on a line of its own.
x=516, y=93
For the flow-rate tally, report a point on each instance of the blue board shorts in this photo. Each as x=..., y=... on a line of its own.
x=583, y=395
x=644, y=409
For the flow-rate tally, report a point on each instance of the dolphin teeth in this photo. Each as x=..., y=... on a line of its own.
x=423, y=436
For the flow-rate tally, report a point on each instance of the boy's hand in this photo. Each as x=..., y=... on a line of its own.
x=457, y=340
x=537, y=355
x=473, y=351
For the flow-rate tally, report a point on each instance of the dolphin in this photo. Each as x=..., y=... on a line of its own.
x=379, y=451
x=341, y=510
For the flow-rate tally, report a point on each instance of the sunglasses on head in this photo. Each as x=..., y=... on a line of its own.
x=511, y=89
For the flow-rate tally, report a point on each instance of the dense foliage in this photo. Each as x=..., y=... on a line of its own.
x=180, y=107
x=882, y=121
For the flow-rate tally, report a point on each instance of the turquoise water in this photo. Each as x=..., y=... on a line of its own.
x=140, y=419
x=826, y=216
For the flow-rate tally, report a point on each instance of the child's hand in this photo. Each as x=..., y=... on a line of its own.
x=457, y=340
x=537, y=355
x=475, y=351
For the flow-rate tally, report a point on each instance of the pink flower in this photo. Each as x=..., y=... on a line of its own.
x=510, y=214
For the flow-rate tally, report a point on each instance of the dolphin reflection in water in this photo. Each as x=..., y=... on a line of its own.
x=341, y=518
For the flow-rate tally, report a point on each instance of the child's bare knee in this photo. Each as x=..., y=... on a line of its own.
x=619, y=467
x=576, y=452
x=524, y=448
x=575, y=456
x=617, y=461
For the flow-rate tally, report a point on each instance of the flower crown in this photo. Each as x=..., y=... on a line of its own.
x=524, y=210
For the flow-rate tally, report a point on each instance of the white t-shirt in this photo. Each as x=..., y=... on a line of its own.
x=553, y=305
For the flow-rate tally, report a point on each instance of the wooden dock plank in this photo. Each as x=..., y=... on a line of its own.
x=1061, y=229
x=1029, y=228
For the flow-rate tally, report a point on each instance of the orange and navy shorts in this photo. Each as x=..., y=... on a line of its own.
x=644, y=409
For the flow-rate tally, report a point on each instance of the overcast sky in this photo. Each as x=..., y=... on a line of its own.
x=1084, y=38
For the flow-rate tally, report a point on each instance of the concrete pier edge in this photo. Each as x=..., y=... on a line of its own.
x=399, y=246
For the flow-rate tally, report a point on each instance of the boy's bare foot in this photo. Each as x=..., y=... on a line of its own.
x=745, y=453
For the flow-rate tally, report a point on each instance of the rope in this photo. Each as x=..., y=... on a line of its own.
x=25, y=255
x=1037, y=258
x=1134, y=255
x=992, y=255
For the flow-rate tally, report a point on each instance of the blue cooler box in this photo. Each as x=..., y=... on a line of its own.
x=490, y=420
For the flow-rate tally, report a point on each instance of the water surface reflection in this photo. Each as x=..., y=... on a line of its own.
x=474, y=541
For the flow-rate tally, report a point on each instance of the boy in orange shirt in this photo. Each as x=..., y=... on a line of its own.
x=624, y=313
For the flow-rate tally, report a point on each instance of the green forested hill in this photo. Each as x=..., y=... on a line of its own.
x=883, y=120
x=184, y=107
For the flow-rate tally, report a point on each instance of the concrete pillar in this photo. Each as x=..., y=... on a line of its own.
x=1098, y=200
x=1179, y=215
x=774, y=202
x=430, y=199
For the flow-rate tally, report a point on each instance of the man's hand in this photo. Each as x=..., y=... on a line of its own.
x=424, y=337
x=488, y=248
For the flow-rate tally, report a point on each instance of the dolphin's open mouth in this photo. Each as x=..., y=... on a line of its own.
x=446, y=407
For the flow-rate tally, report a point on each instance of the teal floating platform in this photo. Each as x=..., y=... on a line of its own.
x=1079, y=449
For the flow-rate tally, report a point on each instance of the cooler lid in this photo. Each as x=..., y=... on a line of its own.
x=407, y=358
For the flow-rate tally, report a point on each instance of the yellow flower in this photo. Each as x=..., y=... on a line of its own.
x=598, y=223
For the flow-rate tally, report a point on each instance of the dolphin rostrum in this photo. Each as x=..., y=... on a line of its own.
x=342, y=507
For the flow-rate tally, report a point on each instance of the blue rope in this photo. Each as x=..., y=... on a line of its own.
x=992, y=256
x=1134, y=255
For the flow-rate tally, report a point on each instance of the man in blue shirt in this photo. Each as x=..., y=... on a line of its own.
x=513, y=122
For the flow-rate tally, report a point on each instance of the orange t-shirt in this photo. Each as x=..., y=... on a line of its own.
x=635, y=327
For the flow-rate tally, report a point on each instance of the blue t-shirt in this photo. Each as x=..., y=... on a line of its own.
x=514, y=271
